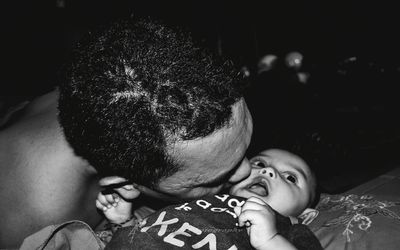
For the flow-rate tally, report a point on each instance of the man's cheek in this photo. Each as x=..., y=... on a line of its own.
x=201, y=191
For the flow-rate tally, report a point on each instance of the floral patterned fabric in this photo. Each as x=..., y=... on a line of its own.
x=367, y=217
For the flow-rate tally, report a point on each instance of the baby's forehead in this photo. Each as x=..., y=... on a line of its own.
x=283, y=156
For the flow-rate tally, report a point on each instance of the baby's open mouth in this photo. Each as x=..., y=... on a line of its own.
x=259, y=188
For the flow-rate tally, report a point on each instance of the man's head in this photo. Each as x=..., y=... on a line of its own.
x=139, y=100
x=282, y=179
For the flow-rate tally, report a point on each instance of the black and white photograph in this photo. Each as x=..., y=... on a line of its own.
x=221, y=125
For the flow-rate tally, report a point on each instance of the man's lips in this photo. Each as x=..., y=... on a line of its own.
x=259, y=186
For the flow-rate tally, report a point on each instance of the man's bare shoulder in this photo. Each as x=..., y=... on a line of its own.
x=33, y=129
x=34, y=143
x=42, y=180
x=35, y=138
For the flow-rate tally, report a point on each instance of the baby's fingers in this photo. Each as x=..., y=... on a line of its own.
x=100, y=206
x=107, y=201
x=246, y=218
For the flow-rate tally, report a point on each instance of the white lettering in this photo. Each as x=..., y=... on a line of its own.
x=170, y=238
x=222, y=198
x=163, y=224
x=231, y=213
x=204, y=204
x=184, y=207
x=210, y=239
x=235, y=203
x=218, y=209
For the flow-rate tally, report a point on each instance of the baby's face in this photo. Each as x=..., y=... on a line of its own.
x=283, y=180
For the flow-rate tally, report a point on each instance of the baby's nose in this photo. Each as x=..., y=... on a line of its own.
x=269, y=172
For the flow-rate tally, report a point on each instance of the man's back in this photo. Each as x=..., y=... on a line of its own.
x=42, y=182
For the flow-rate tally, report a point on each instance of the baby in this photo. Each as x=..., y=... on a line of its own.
x=279, y=181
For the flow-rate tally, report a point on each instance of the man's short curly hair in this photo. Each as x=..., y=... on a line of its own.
x=134, y=88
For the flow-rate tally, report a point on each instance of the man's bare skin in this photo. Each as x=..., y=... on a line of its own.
x=42, y=181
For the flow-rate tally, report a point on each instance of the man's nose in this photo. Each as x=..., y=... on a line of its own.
x=269, y=171
x=242, y=172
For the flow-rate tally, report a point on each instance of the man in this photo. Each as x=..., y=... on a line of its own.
x=139, y=101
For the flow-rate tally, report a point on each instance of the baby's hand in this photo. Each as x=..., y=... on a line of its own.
x=259, y=219
x=116, y=206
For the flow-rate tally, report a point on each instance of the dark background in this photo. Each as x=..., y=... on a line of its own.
x=343, y=120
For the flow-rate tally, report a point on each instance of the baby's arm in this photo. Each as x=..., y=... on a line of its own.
x=260, y=221
x=117, y=206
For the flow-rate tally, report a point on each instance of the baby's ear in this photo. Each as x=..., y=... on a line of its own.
x=308, y=215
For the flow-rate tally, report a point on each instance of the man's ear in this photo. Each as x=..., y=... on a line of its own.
x=308, y=215
x=119, y=185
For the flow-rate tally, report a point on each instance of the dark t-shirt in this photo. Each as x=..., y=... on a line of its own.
x=207, y=223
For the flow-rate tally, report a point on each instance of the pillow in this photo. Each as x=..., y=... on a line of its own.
x=367, y=217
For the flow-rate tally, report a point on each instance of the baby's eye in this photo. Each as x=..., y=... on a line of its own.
x=259, y=164
x=290, y=177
